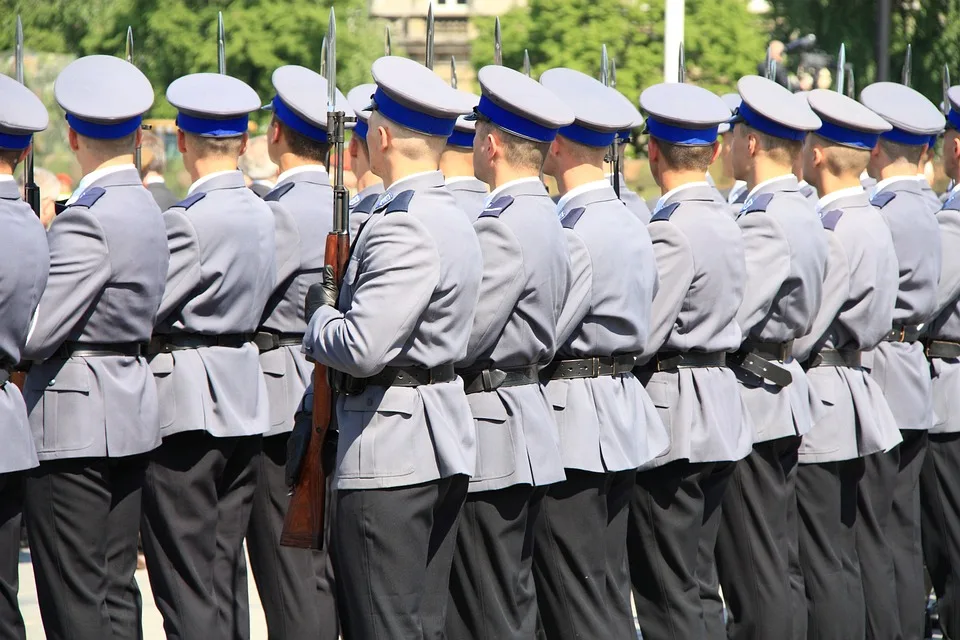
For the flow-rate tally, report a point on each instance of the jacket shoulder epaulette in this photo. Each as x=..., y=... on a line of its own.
x=278, y=192
x=89, y=197
x=191, y=200
x=366, y=204
x=953, y=204
x=759, y=203
x=882, y=199
x=665, y=212
x=497, y=207
x=831, y=218
x=390, y=203
x=572, y=218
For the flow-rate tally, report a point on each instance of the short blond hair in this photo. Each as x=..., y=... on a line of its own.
x=841, y=159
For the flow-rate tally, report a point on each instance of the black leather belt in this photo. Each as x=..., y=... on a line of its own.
x=673, y=360
x=477, y=381
x=590, y=367
x=183, y=341
x=411, y=376
x=271, y=340
x=97, y=349
x=903, y=334
x=942, y=349
x=761, y=358
x=835, y=358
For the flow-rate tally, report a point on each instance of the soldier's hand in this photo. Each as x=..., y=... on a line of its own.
x=322, y=293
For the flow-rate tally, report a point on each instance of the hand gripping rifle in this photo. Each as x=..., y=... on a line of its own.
x=304, y=523
x=31, y=192
x=614, y=152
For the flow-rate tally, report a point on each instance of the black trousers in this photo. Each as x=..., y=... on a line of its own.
x=674, y=520
x=393, y=555
x=82, y=523
x=874, y=505
x=904, y=537
x=753, y=545
x=492, y=592
x=827, y=508
x=11, y=509
x=295, y=585
x=940, y=513
x=196, y=510
x=580, y=557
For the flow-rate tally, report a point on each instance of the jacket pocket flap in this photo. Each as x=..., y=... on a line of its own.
x=556, y=392
x=274, y=363
x=403, y=400
x=487, y=406
x=72, y=376
x=162, y=364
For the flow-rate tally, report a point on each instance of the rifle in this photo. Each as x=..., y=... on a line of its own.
x=945, y=88
x=430, y=36
x=841, y=68
x=137, y=152
x=31, y=192
x=221, y=48
x=387, y=44
x=681, y=67
x=526, y=63
x=303, y=525
x=453, y=73
x=614, y=152
x=907, y=75
x=497, y=46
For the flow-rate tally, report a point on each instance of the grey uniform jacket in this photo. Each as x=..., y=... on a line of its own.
x=634, y=202
x=470, y=194
x=303, y=219
x=946, y=323
x=361, y=206
x=408, y=298
x=786, y=254
x=700, y=259
x=606, y=423
x=859, y=294
x=928, y=193
x=108, y=262
x=808, y=192
x=222, y=271
x=526, y=274
x=901, y=368
x=24, y=262
x=162, y=194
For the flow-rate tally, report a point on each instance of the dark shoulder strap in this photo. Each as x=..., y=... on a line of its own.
x=278, y=192
x=760, y=203
x=665, y=212
x=573, y=217
x=189, y=201
x=366, y=204
x=831, y=218
x=89, y=197
x=882, y=199
x=498, y=206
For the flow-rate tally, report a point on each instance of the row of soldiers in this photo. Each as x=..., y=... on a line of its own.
x=542, y=407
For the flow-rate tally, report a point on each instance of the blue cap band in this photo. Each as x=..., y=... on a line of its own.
x=361, y=128
x=682, y=135
x=411, y=118
x=461, y=139
x=954, y=118
x=112, y=131
x=10, y=141
x=287, y=116
x=905, y=137
x=213, y=128
x=624, y=136
x=848, y=137
x=765, y=125
x=588, y=137
x=513, y=123
x=933, y=141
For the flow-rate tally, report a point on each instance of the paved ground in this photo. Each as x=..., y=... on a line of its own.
x=152, y=624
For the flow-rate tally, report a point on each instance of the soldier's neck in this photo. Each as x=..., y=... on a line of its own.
x=368, y=179
x=456, y=164
x=830, y=183
x=575, y=176
x=89, y=165
x=898, y=169
x=393, y=173
x=671, y=179
x=291, y=161
x=212, y=164
x=502, y=174
x=763, y=171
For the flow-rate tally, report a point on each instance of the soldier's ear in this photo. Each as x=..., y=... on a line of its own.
x=73, y=140
x=954, y=146
x=181, y=141
x=716, y=151
x=817, y=155
x=138, y=139
x=386, y=138
x=24, y=153
x=243, y=143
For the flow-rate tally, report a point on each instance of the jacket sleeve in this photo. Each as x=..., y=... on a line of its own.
x=79, y=269
x=392, y=283
x=183, y=274
x=836, y=290
x=768, y=265
x=949, y=288
x=675, y=269
x=287, y=236
x=579, y=294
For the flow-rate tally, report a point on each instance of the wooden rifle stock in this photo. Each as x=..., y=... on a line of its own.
x=303, y=526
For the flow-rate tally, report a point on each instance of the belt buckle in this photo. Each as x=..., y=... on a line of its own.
x=595, y=367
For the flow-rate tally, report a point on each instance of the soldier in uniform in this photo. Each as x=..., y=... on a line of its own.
x=888, y=541
x=786, y=253
x=91, y=397
x=675, y=504
x=633, y=201
x=407, y=441
x=24, y=263
x=853, y=419
x=738, y=190
x=608, y=426
x=213, y=398
x=939, y=487
x=526, y=274
x=295, y=586
x=927, y=158
x=456, y=164
x=369, y=184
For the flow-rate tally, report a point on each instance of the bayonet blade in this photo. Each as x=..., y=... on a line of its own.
x=851, y=86
x=332, y=63
x=323, y=57
x=841, y=67
x=497, y=45
x=945, y=87
x=613, y=72
x=18, y=57
x=682, y=67
x=221, y=46
x=604, y=66
x=129, y=52
x=526, y=63
x=387, y=44
x=767, y=64
x=907, y=67
x=453, y=72
x=430, y=36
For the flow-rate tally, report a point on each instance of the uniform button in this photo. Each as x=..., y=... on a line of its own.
x=52, y=382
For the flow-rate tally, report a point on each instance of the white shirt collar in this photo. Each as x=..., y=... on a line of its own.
x=803, y=183
x=739, y=186
x=669, y=194
x=506, y=185
x=766, y=182
x=576, y=191
x=301, y=169
x=266, y=183
x=420, y=174
x=207, y=178
x=886, y=182
x=953, y=193
x=455, y=179
x=154, y=180
x=836, y=195
x=6, y=177
x=87, y=180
